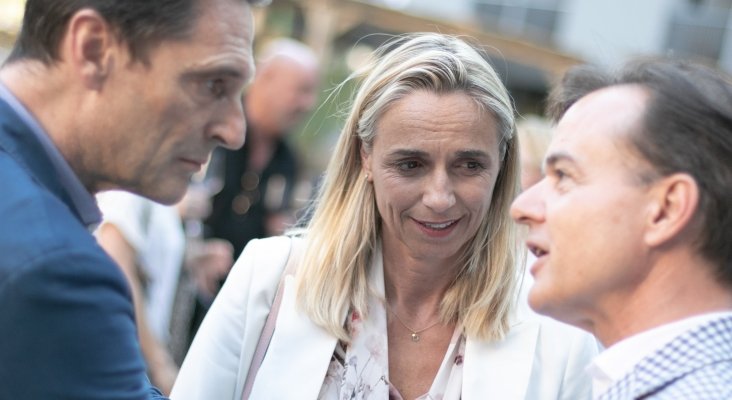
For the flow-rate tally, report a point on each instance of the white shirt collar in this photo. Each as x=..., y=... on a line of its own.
x=618, y=360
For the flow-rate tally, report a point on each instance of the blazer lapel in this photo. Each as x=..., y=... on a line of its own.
x=488, y=366
x=298, y=355
x=17, y=139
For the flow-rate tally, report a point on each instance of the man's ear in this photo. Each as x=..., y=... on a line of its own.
x=675, y=200
x=89, y=46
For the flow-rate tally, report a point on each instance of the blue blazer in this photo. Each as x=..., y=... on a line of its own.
x=67, y=328
x=697, y=365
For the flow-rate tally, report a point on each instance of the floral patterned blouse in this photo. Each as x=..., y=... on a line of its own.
x=361, y=370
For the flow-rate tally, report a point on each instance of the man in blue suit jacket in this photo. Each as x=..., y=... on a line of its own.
x=632, y=226
x=97, y=95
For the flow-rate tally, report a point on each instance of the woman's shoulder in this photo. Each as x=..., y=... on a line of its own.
x=262, y=261
x=271, y=250
x=539, y=358
x=275, y=244
x=551, y=329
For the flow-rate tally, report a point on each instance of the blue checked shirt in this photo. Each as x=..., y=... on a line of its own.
x=697, y=365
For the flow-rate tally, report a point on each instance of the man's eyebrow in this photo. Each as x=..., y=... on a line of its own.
x=229, y=71
x=553, y=158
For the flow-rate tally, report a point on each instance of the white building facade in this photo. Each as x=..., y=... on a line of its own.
x=600, y=31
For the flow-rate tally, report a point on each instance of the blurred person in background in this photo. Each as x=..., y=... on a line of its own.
x=632, y=226
x=405, y=280
x=146, y=239
x=100, y=95
x=258, y=179
x=535, y=133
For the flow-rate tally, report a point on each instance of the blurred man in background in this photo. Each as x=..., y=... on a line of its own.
x=100, y=95
x=535, y=133
x=258, y=179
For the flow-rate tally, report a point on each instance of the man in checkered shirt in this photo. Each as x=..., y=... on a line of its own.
x=632, y=226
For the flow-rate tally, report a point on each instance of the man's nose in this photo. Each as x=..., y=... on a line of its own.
x=528, y=206
x=231, y=129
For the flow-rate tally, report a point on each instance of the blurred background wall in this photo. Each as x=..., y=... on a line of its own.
x=530, y=42
x=11, y=12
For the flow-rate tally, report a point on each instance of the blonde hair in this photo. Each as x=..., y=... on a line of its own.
x=345, y=226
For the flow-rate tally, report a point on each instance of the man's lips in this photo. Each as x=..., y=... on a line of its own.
x=540, y=252
x=537, y=249
x=196, y=163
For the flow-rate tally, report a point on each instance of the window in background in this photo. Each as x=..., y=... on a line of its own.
x=532, y=19
x=698, y=28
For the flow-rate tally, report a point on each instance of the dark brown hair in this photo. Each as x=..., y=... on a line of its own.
x=139, y=23
x=687, y=127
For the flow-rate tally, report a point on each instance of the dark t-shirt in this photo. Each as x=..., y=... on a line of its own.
x=241, y=207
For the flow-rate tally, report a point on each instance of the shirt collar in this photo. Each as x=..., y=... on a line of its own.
x=618, y=360
x=82, y=200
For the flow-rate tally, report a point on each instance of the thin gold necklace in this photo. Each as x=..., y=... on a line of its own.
x=415, y=332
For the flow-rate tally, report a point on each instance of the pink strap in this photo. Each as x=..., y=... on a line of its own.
x=269, y=325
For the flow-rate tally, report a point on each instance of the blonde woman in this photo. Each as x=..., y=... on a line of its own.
x=406, y=283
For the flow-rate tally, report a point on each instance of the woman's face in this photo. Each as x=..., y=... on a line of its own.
x=433, y=164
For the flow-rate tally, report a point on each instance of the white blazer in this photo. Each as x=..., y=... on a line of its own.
x=540, y=359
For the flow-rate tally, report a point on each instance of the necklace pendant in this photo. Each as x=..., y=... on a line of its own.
x=415, y=337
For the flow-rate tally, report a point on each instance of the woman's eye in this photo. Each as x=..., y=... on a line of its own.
x=408, y=165
x=473, y=165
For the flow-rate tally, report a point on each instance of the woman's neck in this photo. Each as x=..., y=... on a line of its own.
x=416, y=287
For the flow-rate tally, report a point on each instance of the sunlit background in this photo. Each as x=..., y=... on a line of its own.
x=530, y=42
x=11, y=12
